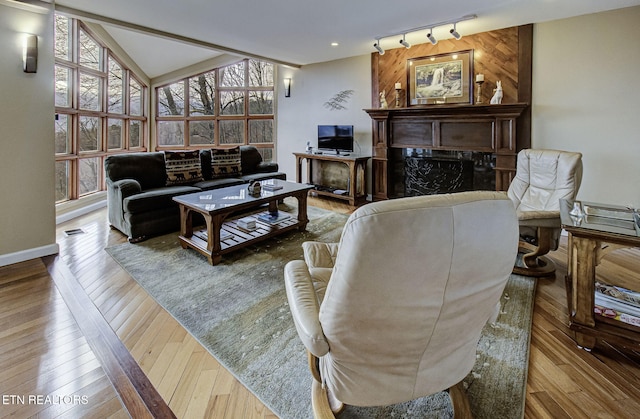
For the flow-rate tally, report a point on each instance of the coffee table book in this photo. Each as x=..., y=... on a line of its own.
x=273, y=217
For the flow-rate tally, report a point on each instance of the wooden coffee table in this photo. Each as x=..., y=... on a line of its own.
x=222, y=236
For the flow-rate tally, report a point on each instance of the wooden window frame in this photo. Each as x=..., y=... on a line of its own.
x=74, y=155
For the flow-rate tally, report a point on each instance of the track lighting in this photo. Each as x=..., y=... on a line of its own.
x=404, y=43
x=454, y=32
x=431, y=38
x=378, y=47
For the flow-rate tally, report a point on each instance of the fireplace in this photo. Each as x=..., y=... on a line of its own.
x=428, y=172
x=444, y=148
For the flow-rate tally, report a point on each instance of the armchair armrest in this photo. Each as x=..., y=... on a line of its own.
x=320, y=255
x=549, y=219
x=305, y=309
x=125, y=187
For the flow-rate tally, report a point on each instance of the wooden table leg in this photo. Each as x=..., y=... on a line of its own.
x=298, y=169
x=583, y=272
x=186, y=224
x=273, y=206
x=303, y=220
x=214, y=224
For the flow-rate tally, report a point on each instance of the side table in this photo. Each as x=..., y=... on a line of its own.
x=591, y=237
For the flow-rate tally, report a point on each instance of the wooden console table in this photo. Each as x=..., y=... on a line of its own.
x=587, y=236
x=354, y=186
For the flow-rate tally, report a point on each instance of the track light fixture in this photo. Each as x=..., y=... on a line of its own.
x=378, y=47
x=404, y=43
x=454, y=32
x=431, y=38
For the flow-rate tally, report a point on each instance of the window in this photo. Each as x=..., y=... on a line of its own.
x=224, y=106
x=99, y=109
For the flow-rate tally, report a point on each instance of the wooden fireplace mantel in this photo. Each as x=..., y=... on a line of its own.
x=483, y=128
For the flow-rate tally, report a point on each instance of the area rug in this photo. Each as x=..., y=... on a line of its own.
x=238, y=310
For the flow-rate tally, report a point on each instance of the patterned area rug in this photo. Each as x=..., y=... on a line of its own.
x=238, y=310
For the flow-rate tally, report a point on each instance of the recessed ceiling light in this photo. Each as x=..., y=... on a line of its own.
x=334, y=44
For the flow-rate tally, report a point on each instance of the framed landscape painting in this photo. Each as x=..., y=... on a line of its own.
x=439, y=79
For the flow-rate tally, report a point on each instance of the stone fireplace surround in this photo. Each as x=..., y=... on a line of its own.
x=447, y=141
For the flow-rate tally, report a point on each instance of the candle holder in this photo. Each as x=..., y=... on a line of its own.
x=398, y=97
x=479, y=91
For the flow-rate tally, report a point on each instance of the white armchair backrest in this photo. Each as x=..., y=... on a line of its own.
x=414, y=282
x=543, y=178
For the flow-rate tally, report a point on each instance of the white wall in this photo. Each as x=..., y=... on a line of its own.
x=586, y=97
x=312, y=86
x=27, y=209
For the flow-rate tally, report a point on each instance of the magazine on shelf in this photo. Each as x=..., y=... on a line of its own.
x=615, y=304
x=616, y=315
x=619, y=293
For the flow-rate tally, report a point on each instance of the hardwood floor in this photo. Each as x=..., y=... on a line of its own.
x=126, y=356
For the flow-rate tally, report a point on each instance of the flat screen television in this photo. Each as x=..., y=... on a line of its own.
x=335, y=138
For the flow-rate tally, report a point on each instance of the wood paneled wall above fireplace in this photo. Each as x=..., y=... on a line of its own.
x=505, y=129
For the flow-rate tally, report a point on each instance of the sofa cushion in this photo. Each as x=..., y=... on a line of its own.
x=183, y=167
x=225, y=162
x=251, y=158
x=154, y=199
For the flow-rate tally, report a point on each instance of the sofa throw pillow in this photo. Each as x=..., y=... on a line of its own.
x=183, y=167
x=225, y=162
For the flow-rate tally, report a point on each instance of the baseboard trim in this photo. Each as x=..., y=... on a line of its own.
x=28, y=254
x=70, y=215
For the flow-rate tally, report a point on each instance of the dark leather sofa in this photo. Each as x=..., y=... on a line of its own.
x=139, y=201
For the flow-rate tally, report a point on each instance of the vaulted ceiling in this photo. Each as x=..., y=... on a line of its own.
x=299, y=32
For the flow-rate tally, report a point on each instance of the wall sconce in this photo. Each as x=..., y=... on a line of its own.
x=287, y=87
x=30, y=54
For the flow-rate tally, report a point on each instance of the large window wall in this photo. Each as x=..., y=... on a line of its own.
x=225, y=106
x=100, y=109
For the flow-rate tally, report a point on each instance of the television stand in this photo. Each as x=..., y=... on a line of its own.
x=333, y=152
x=321, y=169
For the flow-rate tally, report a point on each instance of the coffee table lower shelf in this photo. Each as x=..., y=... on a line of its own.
x=237, y=237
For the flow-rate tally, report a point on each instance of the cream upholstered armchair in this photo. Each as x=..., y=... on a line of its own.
x=543, y=178
x=394, y=311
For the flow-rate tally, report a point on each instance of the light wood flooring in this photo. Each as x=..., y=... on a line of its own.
x=77, y=324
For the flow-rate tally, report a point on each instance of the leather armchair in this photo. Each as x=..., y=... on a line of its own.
x=394, y=311
x=543, y=178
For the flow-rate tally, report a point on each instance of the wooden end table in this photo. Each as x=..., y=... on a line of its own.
x=356, y=193
x=590, y=239
x=220, y=236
